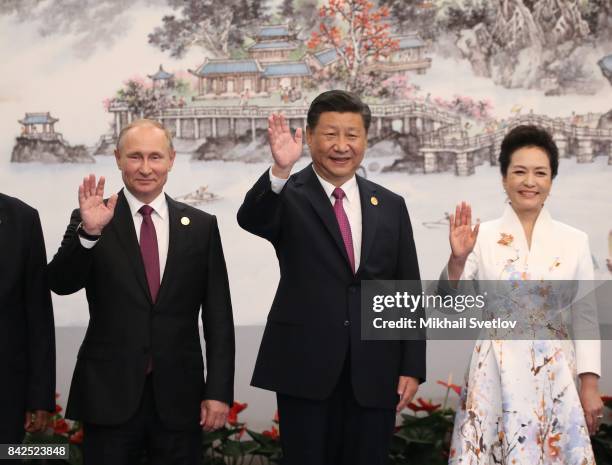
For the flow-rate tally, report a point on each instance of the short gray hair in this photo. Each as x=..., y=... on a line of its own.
x=144, y=122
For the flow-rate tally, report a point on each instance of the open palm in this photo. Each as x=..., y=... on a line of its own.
x=95, y=214
x=286, y=149
x=462, y=236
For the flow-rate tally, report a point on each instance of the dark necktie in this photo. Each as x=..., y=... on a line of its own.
x=345, y=226
x=149, y=250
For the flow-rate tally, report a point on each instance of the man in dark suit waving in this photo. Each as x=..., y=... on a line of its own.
x=337, y=394
x=148, y=264
x=27, y=334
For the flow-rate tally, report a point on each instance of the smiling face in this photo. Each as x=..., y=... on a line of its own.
x=529, y=179
x=144, y=157
x=337, y=145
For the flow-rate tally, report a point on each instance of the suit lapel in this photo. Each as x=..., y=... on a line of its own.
x=369, y=218
x=316, y=195
x=176, y=236
x=3, y=223
x=123, y=225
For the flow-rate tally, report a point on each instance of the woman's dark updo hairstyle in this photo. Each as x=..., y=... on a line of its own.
x=528, y=136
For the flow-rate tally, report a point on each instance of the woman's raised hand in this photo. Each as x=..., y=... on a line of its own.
x=462, y=236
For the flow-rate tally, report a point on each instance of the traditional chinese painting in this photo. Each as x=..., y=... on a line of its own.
x=445, y=80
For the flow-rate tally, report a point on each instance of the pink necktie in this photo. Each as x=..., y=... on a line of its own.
x=345, y=226
x=149, y=250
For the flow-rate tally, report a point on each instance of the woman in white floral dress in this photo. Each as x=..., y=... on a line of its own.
x=521, y=403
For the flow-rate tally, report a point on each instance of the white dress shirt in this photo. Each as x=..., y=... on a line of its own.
x=351, y=203
x=160, y=219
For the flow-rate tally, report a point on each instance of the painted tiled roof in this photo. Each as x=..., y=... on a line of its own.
x=606, y=63
x=161, y=74
x=287, y=69
x=273, y=31
x=38, y=118
x=409, y=42
x=228, y=66
x=325, y=57
x=282, y=44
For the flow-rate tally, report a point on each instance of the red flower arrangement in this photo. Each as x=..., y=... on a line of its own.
x=449, y=385
x=232, y=417
x=272, y=433
x=230, y=440
x=424, y=406
x=60, y=426
x=76, y=438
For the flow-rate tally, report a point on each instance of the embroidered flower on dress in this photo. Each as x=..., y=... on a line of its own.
x=506, y=239
x=555, y=264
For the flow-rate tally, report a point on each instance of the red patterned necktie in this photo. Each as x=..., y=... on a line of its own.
x=345, y=226
x=149, y=250
x=150, y=258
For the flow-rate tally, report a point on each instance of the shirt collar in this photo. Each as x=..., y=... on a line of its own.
x=511, y=220
x=541, y=234
x=350, y=188
x=159, y=204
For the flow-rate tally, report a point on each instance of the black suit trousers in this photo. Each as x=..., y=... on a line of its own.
x=334, y=431
x=143, y=433
x=12, y=432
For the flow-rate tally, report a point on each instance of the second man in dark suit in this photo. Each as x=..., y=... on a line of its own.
x=27, y=334
x=337, y=394
x=148, y=265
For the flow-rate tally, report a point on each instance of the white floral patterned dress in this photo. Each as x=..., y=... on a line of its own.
x=520, y=404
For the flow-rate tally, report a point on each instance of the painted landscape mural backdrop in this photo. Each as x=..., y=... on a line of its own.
x=445, y=79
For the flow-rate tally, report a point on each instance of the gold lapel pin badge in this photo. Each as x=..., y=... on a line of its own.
x=185, y=221
x=374, y=200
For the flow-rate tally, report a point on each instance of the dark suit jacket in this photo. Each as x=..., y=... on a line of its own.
x=27, y=334
x=315, y=315
x=126, y=327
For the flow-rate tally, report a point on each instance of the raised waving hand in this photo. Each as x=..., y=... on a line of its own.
x=462, y=239
x=95, y=214
x=286, y=148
